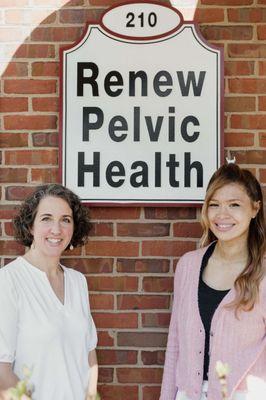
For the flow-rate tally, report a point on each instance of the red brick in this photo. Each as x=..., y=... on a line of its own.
x=247, y=50
x=142, y=302
x=255, y=121
x=112, y=248
x=80, y=16
x=262, y=67
x=143, y=229
x=102, y=229
x=17, y=69
x=9, y=228
x=106, y=375
x=166, y=248
x=239, y=68
x=45, y=104
x=139, y=375
x=31, y=157
x=114, y=392
x=252, y=15
x=239, y=104
x=13, y=104
x=113, y=283
x=155, y=320
x=115, y=320
x=44, y=175
x=250, y=156
x=74, y=3
x=107, y=2
x=157, y=284
x=49, y=68
x=247, y=85
x=187, y=229
x=90, y=265
x=11, y=248
x=262, y=139
x=10, y=175
x=13, y=139
x=115, y=213
x=33, y=122
x=56, y=34
x=75, y=252
x=28, y=86
x=262, y=103
x=45, y=139
x=18, y=192
x=153, y=357
x=116, y=357
x=104, y=339
x=261, y=32
x=102, y=301
x=227, y=32
x=35, y=51
x=170, y=213
x=209, y=15
x=142, y=339
x=238, y=139
x=262, y=177
x=227, y=2
x=142, y=265
x=151, y=392
x=8, y=211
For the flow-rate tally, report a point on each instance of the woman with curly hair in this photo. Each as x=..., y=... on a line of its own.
x=45, y=322
x=219, y=309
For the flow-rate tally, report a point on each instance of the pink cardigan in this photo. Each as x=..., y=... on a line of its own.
x=239, y=342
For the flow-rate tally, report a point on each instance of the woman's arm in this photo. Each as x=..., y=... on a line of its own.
x=7, y=379
x=92, y=388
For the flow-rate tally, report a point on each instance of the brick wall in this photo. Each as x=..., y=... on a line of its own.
x=131, y=256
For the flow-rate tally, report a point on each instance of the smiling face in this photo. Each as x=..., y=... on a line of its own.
x=230, y=211
x=53, y=227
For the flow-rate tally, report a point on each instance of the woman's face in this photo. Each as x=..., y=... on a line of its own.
x=230, y=211
x=53, y=226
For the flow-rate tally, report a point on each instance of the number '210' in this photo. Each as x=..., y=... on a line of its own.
x=151, y=20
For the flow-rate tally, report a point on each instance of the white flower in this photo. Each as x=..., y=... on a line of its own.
x=222, y=369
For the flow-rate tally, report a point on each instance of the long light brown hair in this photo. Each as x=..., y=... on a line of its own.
x=247, y=283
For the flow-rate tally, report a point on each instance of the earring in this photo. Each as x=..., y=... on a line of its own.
x=71, y=247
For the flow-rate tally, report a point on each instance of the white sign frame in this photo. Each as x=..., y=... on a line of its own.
x=72, y=129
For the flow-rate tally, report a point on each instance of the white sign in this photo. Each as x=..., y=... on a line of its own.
x=141, y=109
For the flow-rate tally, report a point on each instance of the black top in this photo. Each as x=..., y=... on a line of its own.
x=209, y=299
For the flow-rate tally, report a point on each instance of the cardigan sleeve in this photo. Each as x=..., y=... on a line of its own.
x=168, y=389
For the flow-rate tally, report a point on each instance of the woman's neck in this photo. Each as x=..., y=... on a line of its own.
x=236, y=251
x=50, y=265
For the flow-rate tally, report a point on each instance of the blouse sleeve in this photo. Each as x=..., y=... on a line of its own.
x=8, y=318
x=92, y=334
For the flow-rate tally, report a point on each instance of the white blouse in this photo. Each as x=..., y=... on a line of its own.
x=38, y=331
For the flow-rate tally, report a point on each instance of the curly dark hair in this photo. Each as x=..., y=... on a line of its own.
x=24, y=220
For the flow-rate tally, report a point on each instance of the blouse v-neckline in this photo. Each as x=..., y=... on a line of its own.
x=44, y=276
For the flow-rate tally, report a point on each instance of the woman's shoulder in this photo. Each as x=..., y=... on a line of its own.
x=74, y=275
x=194, y=255
x=11, y=269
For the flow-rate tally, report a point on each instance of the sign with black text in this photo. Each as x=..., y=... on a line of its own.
x=141, y=109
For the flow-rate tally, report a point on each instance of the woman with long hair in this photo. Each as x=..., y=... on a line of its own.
x=219, y=308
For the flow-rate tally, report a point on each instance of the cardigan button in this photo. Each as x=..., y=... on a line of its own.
x=211, y=333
